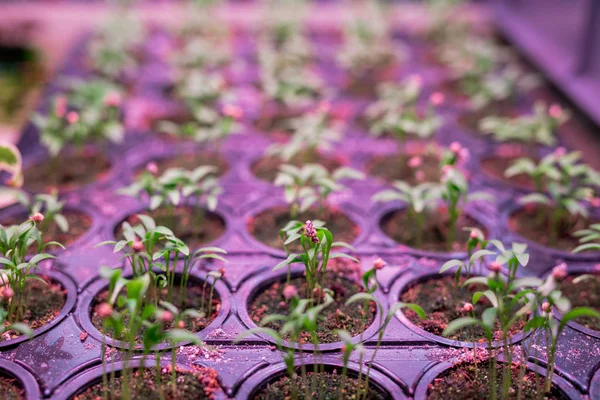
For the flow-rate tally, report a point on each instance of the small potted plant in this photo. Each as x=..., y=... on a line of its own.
x=59, y=224
x=485, y=75
x=435, y=212
x=520, y=137
x=288, y=89
x=367, y=55
x=176, y=199
x=131, y=315
x=313, y=136
x=205, y=114
x=114, y=52
x=511, y=300
x=29, y=300
x=397, y=115
x=300, y=325
x=306, y=190
x=560, y=205
x=89, y=114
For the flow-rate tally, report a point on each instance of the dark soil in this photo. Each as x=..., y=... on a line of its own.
x=584, y=294
x=276, y=124
x=365, y=85
x=395, y=167
x=462, y=383
x=342, y=277
x=197, y=385
x=534, y=223
x=496, y=166
x=323, y=385
x=267, y=167
x=69, y=171
x=79, y=223
x=195, y=226
x=362, y=88
x=195, y=297
x=10, y=389
x=266, y=225
x=45, y=301
x=399, y=226
x=442, y=300
x=190, y=161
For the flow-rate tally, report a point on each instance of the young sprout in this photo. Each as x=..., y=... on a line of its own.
x=129, y=316
x=454, y=190
x=537, y=128
x=546, y=297
x=419, y=199
x=509, y=305
x=317, y=243
x=111, y=50
x=284, y=48
x=287, y=85
x=175, y=186
x=200, y=91
x=311, y=184
x=471, y=57
x=367, y=46
x=495, y=87
x=371, y=286
x=476, y=240
x=444, y=23
x=209, y=125
x=149, y=248
x=347, y=350
x=484, y=71
x=18, y=269
x=303, y=317
x=569, y=187
x=49, y=206
x=541, y=173
x=91, y=111
x=396, y=111
x=200, y=53
x=312, y=132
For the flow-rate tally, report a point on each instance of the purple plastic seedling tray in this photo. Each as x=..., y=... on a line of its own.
x=64, y=356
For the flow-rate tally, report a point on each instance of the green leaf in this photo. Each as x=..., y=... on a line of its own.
x=53, y=243
x=578, y=313
x=451, y=264
x=61, y=222
x=363, y=297
x=22, y=328
x=6, y=261
x=488, y=317
x=476, y=279
x=147, y=221
x=155, y=202
x=213, y=249
x=39, y=257
x=460, y=323
x=587, y=246
x=292, y=258
x=343, y=255
x=343, y=244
